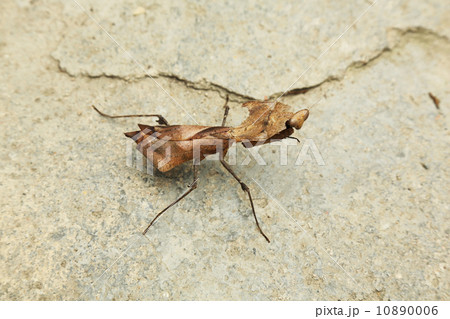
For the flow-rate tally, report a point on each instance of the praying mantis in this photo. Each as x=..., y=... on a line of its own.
x=267, y=122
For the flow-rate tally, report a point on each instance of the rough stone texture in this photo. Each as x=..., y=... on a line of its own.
x=372, y=223
x=254, y=48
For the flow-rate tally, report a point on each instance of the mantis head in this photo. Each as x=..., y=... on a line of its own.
x=297, y=120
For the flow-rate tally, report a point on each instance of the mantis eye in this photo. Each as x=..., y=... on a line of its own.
x=298, y=118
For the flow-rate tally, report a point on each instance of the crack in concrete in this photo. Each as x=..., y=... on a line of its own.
x=204, y=85
x=209, y=86
x=398, y=34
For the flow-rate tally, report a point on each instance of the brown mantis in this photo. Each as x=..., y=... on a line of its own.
x=267, y=122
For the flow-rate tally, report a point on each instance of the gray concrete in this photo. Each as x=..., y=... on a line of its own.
x=371, y=224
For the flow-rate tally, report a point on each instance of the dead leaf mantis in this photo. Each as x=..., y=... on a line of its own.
x=267, y=122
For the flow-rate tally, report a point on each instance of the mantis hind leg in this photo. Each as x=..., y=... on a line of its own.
x=191, y=188
x=161, y=120
x=247, y=190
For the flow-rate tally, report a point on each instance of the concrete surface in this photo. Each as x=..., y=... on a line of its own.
x=370, y=224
